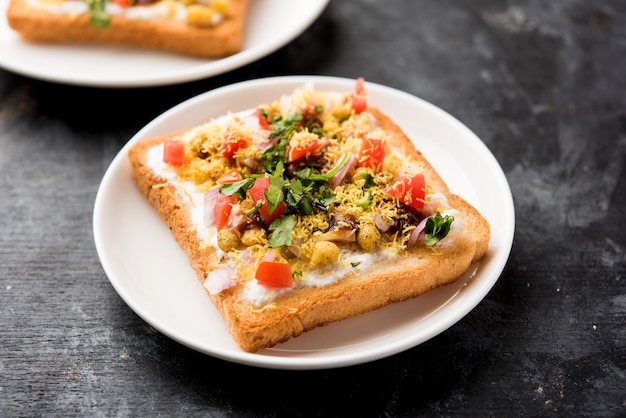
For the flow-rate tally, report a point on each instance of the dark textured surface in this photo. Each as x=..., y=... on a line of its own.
x=543, y=84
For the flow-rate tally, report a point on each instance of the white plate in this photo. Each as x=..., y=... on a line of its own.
x=151, y=274
x=271, y=25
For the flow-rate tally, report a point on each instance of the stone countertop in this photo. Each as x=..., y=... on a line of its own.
x=541, y=83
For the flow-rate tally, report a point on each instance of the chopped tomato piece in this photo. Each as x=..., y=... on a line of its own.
x=173, y=152
x=223, y=206
x=274, y=274
x=359, y=104
x=231, y=176
x=232, y=144
x=359, y=97
x=257, y=192
x=303, y=148
x=262, y=122
x=122, y=3
x=410, y=190
x=372, y=153
x=359, y=86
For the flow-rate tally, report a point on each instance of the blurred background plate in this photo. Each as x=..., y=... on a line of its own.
x=271, y=25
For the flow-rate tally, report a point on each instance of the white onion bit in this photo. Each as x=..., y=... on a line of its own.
x=381, y=223
x=269, y=256
x=338, y=178
x=236, y=219
x=220, y=279
x=416, y=232
x=210, y=198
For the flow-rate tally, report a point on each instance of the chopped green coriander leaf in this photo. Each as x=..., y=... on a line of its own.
x=98, y=18
x=437, y=227
x=305, y=206
x=324, y=198
x=319, y=109
x=295, y=193
x=238, y=189
x=282, y=231
x=266, y=116
x=366, y=201
x=345, y=118
x=282, y=131
x=369, y=180
x=355, y=264
x=306, y=173
x=299, y=199
x=274, y=192
x=317, y=131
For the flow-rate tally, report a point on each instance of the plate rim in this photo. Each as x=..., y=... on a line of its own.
x=481, y=289
x=211, y=68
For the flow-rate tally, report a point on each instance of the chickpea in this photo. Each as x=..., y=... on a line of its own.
x=324, y=253
x=227, y=240
x=253, y=236
x=368, y=237
x=199, y=16
x=220, y=6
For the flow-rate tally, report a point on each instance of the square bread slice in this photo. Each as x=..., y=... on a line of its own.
x=362, y=220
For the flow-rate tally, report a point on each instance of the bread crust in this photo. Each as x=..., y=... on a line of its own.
x=403, y=277
x=223, y=39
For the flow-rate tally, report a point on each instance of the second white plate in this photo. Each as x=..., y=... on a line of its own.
x=152, y=275
x=271, y=25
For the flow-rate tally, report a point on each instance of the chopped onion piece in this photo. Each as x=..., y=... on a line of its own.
x=251, y=121
x=416, y=232
x=269, y=256
x=220, y=279
x=246, y=257
x=285, y=103
x=339, y=234
x=338, y=178
x=210, y=198
x=381, y=223
x=236, y=219
x=295, y=247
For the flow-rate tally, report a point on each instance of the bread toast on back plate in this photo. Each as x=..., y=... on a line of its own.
x=307, y=210
x=212, y=29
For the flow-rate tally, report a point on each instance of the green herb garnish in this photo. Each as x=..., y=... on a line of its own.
x=281, y=131
x=238, y=189
x=274, y=193
x=324, y=199
x=437, y=227
x=99, y=18
x=282, y=231
x=345, y=118
x=369, y=180
x=366, y=201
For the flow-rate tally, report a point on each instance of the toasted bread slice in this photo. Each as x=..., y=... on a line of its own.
x=38, y=25
x=410, y=271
